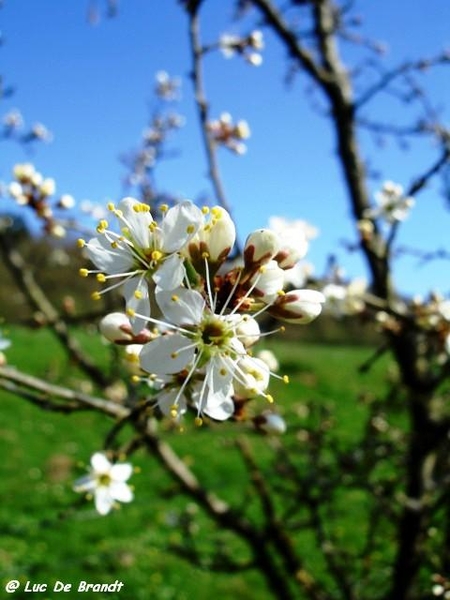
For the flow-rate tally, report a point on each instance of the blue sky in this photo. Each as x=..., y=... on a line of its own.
x=92, y=87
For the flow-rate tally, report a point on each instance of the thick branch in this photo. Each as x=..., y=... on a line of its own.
x=45, y=393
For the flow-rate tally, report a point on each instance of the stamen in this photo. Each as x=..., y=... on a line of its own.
x=231, y=294
x=208, y=286
x=248, y=292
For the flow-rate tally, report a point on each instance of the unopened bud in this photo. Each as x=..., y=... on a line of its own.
x=116, y=327
x=261, y=246
x=270, y=423
x=298, y=306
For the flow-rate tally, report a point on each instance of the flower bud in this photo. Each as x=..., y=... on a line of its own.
x=293, y=248
x=268, y=282
x=271, y=423
x=215, y=239
x=247, y=330
x=298, y=306
x=251, y=377
x=242, y=130
x=270, y=359
x=116, y=327
x=261, y=246
x=47, y=187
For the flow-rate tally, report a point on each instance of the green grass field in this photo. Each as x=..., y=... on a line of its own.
x=49, y=534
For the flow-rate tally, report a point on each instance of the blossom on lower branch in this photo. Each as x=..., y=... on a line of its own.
x=106, y=482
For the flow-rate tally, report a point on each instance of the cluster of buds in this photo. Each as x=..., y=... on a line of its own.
x=167, y=88
x=193, y=314
x=13, y=125
x=226, y=133
x=249, y=47
x=32, y=190
x=392, y=204
x=142, y=161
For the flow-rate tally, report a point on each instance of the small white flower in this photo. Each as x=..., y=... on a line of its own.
x=107, y=483
x=393, y=205
x=143, y=250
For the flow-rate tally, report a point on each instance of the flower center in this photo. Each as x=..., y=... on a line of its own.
x=215, y=333
x=104, y=479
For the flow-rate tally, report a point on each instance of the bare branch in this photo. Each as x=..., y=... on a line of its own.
x=46, y=391
x=197, y=52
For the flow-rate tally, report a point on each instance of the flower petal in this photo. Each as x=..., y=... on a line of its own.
x=179, y=225
x=171, y=273
x=135, y=292
x=100, y=463
x=181, y=306
x=121, y=471
x=121, y=492
x=108, y=259
x=103, y=500
x=167, y=354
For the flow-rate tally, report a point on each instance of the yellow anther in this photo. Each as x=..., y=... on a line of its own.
x=153, y=225
x=174, y=355
x=83, y=272
x=156, y=255
x=174, y=411
x=130, y=312
x=282, y=329
x=205, y=254
x=125, y=231
x=101, y=278
x=118, y=213
x=198, y=421
x=190, y=229
x=138, y=294
x=132, y=358
x=81, y=243
x=175, y=298
x=262, y=269
x=135, y=378
x=223, y=372
x=96, y=295
x=286, y=378
x=164, y=208
x=114, y=245
x=269, y=398
x=217, y=212
x=103, y=224
x=205, y=210
x=111, y=206
x=281, y=293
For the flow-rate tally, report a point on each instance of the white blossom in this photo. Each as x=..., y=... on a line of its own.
x=106, y=482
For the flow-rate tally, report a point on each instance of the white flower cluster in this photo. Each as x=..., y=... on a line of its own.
x=248, y=47
x=226, y=133
x=202, y=312
x=31, y=189
x=13, y=123
x=392, y=204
